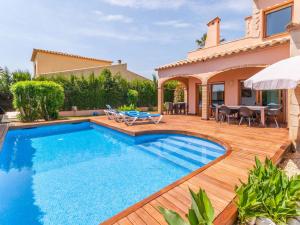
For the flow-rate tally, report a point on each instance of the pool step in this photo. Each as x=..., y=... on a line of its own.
x=199, y=144
x=171, y=158
x=181, y=153
x=199, y=150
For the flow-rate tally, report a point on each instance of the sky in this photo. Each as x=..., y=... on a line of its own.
x=143, y=33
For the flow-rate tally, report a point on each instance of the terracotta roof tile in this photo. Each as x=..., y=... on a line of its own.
x=225, y=53
x=35, y=51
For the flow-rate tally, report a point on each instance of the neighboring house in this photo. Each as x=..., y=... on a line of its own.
x=215, y=74
x=50, y=63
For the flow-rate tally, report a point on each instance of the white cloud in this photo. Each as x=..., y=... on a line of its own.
x=173, y=23
x=148, y=4
x=113, y=17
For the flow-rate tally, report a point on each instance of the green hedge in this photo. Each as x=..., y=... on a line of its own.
x=94, y=92
x=7, y=79
x=37, y=99
x=133, y=96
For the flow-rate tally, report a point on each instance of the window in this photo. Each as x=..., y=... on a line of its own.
x=276, y=21
x=270, y=97
x=248, y=96
x=217, y=94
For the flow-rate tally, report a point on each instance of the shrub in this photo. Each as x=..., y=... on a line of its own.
x=127, y=108
x=51, y=99
x=201, y=212
x=269, y=193
x=20, y=75
x=6, y=80
x=37, y=99
x=133, y=96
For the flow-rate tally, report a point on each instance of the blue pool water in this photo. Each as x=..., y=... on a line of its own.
x=83, y=173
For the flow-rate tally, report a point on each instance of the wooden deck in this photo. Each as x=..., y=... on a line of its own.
x=218, y=179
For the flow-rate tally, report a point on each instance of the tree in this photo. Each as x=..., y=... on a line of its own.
x=20, y=75
x=201, y=42
x=179, y=93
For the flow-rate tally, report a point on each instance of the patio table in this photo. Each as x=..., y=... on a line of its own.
x=261, y=109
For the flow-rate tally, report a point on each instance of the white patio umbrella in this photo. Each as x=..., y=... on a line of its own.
x=284, y=74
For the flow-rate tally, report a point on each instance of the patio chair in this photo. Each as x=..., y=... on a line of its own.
x=273, y=112
x=182, y=107
x=176, y=108
x=169, y=107
x=246, y=113
x=131, y=117
x=226, y=113
x=110, y=112
x=213, y=109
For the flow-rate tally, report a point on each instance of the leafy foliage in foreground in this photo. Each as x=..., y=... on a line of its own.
x=201, y=212
x=269, y=193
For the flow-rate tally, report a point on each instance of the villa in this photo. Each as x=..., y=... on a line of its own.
x=214, y=74
x=50, y=63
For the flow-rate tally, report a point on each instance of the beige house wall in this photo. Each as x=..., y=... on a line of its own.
x=294, y=95
x=51, y=63
x=115, y=69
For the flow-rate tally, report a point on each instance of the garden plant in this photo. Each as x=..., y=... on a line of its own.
x=269, y=193
x=200, y=213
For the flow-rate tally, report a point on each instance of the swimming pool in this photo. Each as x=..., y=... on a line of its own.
x=84, y=173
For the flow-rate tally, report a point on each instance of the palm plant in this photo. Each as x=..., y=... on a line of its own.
x=201, y=212
x=201, y=42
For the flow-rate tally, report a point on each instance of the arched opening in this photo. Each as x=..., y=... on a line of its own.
x=179, y=90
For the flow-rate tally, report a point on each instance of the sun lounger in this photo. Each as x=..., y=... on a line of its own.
x=131, y=117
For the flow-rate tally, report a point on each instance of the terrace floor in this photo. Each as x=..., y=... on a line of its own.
x=218, y=178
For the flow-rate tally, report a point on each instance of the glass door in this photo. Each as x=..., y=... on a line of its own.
x=275, y=98
x=271, y=97
x=217, y=94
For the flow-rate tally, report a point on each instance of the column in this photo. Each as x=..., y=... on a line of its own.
x=160, y=96
x=205, y=101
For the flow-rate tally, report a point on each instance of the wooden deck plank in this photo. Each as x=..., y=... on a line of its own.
x=219, y=179
x=153, y=211
x=146, y=217
x=135, y=219
x=125, y=221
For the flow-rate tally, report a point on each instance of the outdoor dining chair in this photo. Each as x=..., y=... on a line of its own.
x=169, y=107
x=247, y=114
x=273, y=112
x=227, y=113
